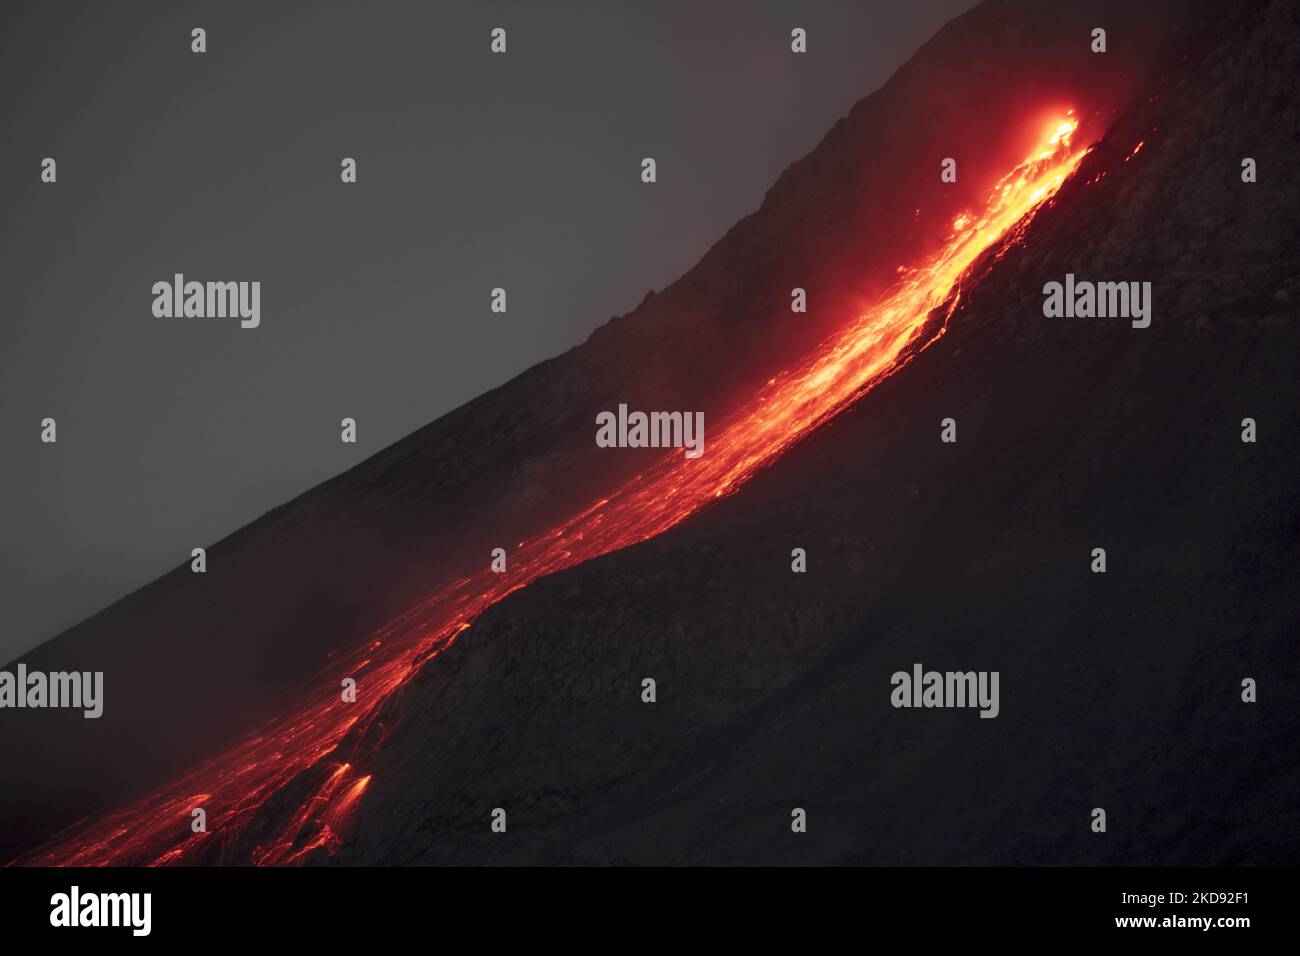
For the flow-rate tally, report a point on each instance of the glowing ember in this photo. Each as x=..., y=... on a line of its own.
x=233, y=786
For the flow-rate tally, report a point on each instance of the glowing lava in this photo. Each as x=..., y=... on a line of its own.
x=233, y=786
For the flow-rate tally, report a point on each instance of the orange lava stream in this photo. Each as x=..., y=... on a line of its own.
x=234, y=785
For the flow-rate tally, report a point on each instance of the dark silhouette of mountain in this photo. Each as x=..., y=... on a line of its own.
x=1118, y=690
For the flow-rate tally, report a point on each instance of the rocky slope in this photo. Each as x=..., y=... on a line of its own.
x=1118, y=690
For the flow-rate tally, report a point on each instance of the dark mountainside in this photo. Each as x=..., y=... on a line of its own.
x=1118, y=691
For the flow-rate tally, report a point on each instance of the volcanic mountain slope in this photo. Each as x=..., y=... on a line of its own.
x=217, y=654
x=1119, y=690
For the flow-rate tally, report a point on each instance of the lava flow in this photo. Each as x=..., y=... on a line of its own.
x=328, y=743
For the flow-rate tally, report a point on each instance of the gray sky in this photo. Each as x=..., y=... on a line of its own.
x=475, y=171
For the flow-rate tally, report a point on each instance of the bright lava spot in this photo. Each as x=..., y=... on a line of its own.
x=332, y=740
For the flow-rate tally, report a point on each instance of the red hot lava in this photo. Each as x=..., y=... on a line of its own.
x=234, y=785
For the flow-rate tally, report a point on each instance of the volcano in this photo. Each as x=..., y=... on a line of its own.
x=943, y=457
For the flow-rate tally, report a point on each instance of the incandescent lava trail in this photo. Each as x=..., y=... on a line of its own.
x=330, y=742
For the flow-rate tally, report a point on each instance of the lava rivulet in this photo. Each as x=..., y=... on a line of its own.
x=334, y=740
